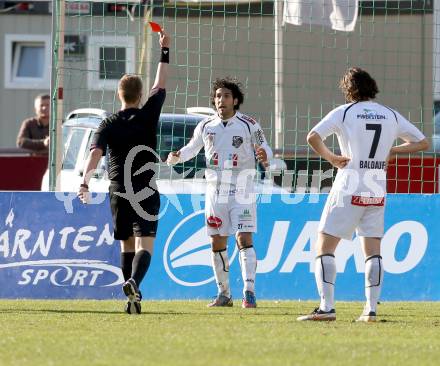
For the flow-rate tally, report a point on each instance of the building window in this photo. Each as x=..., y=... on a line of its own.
x=108, y=59
x=27, y=61
x=111, y=62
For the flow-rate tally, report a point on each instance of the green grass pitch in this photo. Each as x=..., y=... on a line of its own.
x=84, y=332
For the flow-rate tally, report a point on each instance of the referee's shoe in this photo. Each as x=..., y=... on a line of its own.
x=131, y=290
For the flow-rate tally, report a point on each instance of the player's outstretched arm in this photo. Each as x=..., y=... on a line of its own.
x=316, y=143
x=162, y=68
x=189, y=150
x=91, y=164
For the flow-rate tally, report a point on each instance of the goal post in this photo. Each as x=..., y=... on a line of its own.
x=56, y=93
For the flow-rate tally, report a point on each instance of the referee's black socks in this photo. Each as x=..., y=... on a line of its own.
x=141, y=263
x=127, y=264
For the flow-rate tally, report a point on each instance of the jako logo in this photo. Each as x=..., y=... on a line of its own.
x=188, y=246
x=187, y=252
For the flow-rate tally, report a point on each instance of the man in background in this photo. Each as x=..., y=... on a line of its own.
x=34, y=131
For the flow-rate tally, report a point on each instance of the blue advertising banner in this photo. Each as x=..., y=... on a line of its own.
x=51, y=246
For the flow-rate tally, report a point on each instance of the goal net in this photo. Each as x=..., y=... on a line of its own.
x=289, y=55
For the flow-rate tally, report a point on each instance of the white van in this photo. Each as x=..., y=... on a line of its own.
x=174, y=131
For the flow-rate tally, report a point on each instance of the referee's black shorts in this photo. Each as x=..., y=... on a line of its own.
x=126, y=221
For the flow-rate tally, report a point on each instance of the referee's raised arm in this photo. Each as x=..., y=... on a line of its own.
x=162, y=69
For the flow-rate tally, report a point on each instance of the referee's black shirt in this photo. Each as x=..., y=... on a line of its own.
x=125, y=130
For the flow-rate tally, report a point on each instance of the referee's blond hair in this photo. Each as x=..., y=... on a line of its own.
x=130, y=88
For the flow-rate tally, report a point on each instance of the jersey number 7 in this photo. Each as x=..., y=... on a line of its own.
x=377, y=131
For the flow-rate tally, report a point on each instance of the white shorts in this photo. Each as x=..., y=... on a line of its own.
x=227, y=214
x=343, y=214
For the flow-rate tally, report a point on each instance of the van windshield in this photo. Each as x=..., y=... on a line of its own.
x=172, y=137
x=73, y=140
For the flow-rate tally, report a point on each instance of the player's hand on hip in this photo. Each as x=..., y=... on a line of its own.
x=339, y=161
x=164, y=40
x=261, y=155
x=83, y=194
x=173, y=158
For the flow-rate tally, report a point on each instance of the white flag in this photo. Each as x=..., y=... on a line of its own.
x=339, y=15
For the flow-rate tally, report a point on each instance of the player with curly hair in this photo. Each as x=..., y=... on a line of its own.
x=232, y=141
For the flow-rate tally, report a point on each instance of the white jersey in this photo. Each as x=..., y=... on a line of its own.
x=229, y=149
x=366, y=132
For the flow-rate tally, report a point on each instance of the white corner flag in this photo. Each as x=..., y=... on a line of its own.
x=339, y=15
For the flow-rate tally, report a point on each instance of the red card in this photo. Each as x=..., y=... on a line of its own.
x=155, y=27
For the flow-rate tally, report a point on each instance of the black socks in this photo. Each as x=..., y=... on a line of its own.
x=126, y=264
x=141, y=263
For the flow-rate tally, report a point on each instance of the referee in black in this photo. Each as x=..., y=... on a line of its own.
x=130, y=138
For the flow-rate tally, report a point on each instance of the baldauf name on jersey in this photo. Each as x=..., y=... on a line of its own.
x=372, y=164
